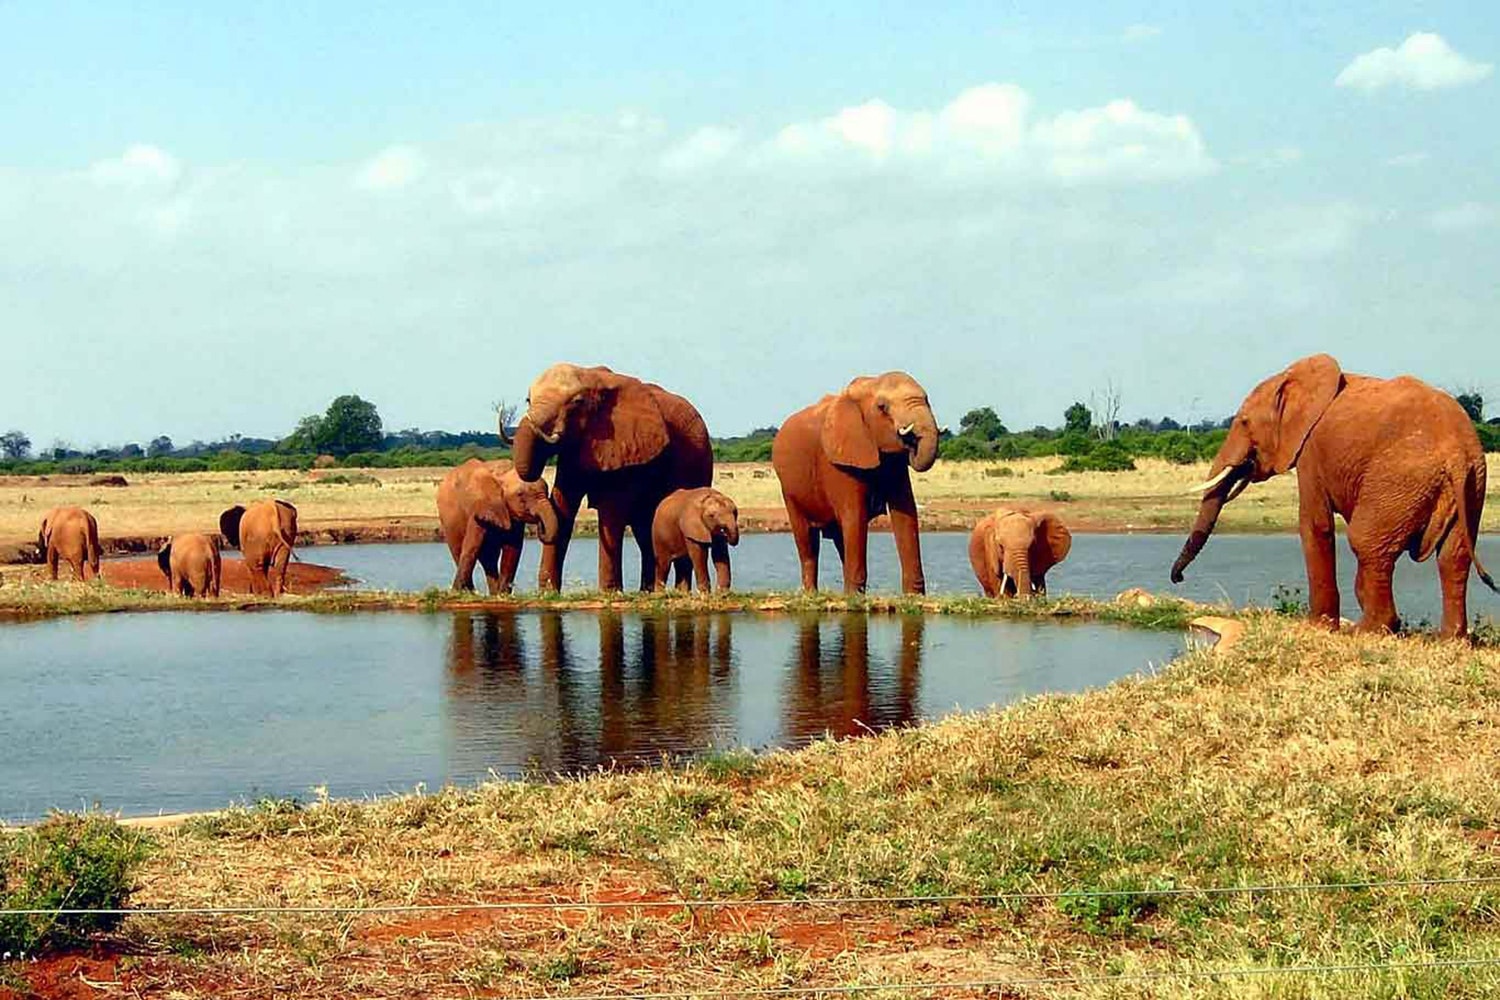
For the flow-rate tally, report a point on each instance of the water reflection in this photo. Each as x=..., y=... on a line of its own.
x=188, y=711
x=832, y=688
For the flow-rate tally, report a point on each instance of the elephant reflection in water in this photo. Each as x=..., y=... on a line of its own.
x=516, y=701
x=832, y=688
x=521, y=699
x=672, y=694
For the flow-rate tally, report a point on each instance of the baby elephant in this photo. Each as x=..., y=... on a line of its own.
x=191, y=564
x=71, y=534
x=1012, y=550
x=689, y=526
x=484, y=508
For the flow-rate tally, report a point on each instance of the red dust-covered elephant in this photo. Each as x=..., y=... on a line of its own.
x=622, y=445
x=1011, y=551
x=265, y=533
x=1396, y=458
x=484, y=508
x=846, y=459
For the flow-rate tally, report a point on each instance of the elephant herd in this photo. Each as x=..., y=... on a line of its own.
x=1398, y=460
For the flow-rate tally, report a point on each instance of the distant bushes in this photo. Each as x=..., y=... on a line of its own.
x=1084, y=452
x=239, y=461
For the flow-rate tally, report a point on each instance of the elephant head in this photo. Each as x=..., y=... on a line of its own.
x=1022, y=546
x=712, y=515
x=229, y=524
x=603, y=420
x=1265, y=440
x=881, y=415
x=523, y=501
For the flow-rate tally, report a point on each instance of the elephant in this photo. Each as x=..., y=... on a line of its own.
x=484, y=508
x=1398, y=460
x=265, y=532
x=621, y=443
x=69, y=534
x=191, y=564
x=689, y=526
x=1011, y=551
x=846, y=459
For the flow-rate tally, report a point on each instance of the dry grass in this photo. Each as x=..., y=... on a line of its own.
x=1297, y=756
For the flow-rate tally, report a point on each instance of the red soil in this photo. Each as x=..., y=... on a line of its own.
x=144, y=574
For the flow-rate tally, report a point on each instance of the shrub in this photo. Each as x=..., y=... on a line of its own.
x=69, y=861
x=1107, y=457
x=963, y=449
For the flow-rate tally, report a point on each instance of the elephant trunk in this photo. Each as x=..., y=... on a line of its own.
x=1019, y=570
x=546, y=524
x=528, y=452
x=921, y=453
x=732, y=532
x=1208, y=515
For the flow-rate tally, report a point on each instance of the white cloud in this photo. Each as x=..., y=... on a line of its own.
x=1423, y=62
x=989, y=130
x=1140, y=33
x=1407, y=159
x=141, y=165
x=1302, y=232
x=1464, y=218
x=703, y=148
x=391, y=169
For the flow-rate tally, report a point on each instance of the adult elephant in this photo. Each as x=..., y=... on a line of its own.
x=620, y=443
x=265, y=533
x=1011, y=551
x=846, y=459
x=1396, y=458
x=71, y=535
x=192, y=564
x=484, y=508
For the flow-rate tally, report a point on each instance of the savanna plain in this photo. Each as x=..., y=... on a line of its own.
x=1294, y=757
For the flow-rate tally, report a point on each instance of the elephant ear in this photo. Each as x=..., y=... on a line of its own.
x=694, y=526
x=1052, y=541
x=1288, y=407
x=846, y=438
x=491, y=508
x=994, y=551
x=229, y=524
x=288, y=505
x=164, y=559
x=625, y=428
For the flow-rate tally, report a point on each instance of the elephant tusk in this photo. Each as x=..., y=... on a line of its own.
x=552, y=438
x=1004, y=583
x=1207, y=485
x=907, y=429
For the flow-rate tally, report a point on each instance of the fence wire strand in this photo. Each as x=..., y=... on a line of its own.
x=1033, y=981
x=355, y=909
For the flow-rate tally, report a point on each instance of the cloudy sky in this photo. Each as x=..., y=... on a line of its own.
x=214, y=224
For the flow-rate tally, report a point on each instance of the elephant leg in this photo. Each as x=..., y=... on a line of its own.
x=611, y=548
x=278, y=570
x=468, y=554
x=806, y=538
x=255, y=568
x=682, y=566
x=1454, y=562
x=856, y=550
x=1372, y=587
x=1316, y=528
x=52, y=562
x=1039, y=584
x=503, y=579
x=549, y=573
x=699, y=555
x=719, y=549
x=902, y=507
x=663, y=570
x=641, y=529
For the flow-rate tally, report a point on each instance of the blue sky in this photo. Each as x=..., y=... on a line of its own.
x=218, y=223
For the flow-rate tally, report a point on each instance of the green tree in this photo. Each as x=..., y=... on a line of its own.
x=983, y=423
x=350, y=424
x=1473, y=404
x=15, y=445
x=1077, y=419
x=159, y=446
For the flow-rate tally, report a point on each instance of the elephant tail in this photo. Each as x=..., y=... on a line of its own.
x=1469, y=529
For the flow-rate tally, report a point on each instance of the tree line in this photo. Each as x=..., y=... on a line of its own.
x=350, y=433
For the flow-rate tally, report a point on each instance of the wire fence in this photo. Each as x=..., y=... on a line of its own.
x=1021, y=982
x=992, y=898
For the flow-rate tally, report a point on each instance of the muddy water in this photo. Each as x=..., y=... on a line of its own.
x=1242, y=569
x=172, y=712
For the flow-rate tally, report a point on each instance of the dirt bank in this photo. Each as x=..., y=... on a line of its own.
x=143, y=574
